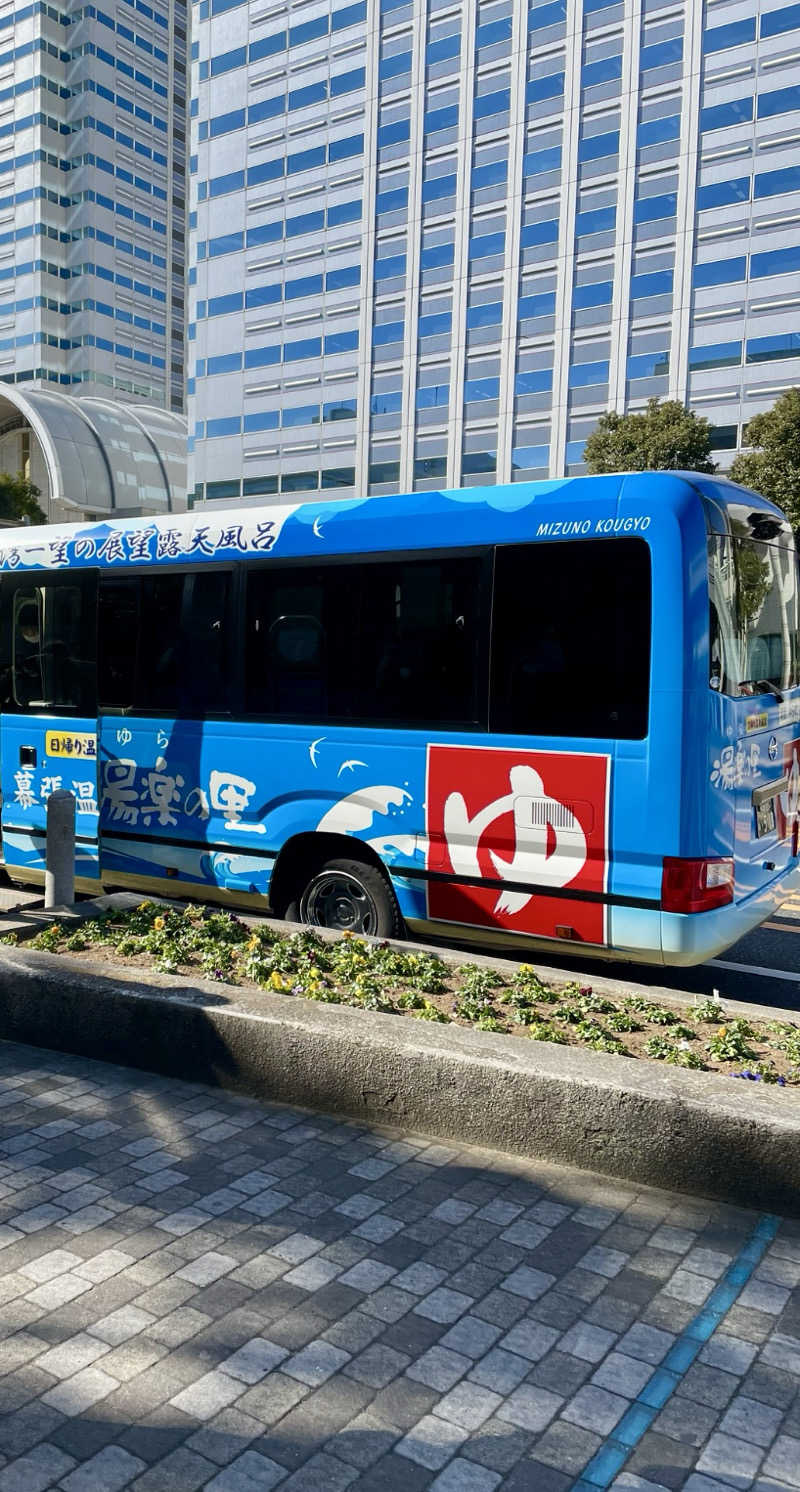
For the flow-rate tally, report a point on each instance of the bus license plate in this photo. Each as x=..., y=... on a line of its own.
x=765, y=800
x=765, y=818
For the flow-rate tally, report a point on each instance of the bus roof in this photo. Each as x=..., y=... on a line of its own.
x=427, y=519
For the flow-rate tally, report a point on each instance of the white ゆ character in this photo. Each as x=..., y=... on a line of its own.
x=531, y=861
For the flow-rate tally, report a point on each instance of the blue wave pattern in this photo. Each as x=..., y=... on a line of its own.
x=332, y=528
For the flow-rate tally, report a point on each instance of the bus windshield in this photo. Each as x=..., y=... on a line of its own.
x=754, y=621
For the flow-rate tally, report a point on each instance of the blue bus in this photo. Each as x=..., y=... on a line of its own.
x=558, y=712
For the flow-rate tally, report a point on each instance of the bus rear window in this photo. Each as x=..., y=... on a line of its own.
x=753, y=623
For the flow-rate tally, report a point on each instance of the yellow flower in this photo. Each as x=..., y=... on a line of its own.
x=276, y=980
x=158, y=923
x=252, y=943
x=723, y=1031
x=347, y=934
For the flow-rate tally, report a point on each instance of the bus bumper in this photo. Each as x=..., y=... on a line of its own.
x=693, y=939
x=636, y=935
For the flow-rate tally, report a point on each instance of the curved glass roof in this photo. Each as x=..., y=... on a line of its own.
x=105, y=456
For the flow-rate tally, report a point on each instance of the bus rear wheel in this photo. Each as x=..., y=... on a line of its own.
x=350, y=896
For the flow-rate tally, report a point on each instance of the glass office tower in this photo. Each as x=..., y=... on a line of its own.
x=433, y=241
x=93, y=119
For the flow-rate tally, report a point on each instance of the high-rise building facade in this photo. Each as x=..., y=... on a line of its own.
x=434, y=240
x=93, y=119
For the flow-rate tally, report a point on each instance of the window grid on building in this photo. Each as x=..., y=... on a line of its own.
x=469, y=229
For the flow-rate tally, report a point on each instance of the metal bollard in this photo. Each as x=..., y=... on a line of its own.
x=59, y=876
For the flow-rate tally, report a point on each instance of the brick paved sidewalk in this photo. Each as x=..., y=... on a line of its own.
x=199, y=1291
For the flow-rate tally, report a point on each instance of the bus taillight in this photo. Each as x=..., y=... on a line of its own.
x=696, y=885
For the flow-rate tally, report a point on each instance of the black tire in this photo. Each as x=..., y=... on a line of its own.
x=352, y=896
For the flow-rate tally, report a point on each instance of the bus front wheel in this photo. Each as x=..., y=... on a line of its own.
x=350, y=896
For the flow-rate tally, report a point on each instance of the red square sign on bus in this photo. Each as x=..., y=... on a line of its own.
x=518, y=819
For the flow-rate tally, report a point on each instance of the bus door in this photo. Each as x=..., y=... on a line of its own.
x=48, y=728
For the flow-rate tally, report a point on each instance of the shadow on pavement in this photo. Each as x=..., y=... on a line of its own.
x=198, y=1286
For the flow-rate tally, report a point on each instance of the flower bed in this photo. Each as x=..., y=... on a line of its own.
x=376, y=976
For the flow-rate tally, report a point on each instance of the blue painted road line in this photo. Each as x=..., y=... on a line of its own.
x=606, y=1464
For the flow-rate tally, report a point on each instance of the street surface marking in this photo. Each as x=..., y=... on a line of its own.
x=721, y=963
x=620, y=1445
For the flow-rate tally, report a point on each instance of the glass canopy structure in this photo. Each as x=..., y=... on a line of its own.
x=91, y=456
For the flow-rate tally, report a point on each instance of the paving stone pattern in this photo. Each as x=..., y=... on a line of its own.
x=201, y=1291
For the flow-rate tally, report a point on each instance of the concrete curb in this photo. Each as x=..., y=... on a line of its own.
x=685, y=1131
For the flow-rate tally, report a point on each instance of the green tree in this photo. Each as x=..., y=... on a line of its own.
x=665, y=437
x=18, y=499
x=773, y=466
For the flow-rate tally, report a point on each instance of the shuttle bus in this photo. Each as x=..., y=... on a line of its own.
x=549, y=713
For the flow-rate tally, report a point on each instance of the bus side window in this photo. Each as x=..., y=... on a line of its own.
x=157, y=683
x=388, y=642
x=28, y=663
x=49, y=668
x=297, y=665
x=204, y=672
x=162, y=642
x=421, y=634
x=571, y=639
x=117, y=637
x=287, y=656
